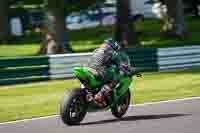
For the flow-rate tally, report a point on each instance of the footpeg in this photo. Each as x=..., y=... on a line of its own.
x=90, y=97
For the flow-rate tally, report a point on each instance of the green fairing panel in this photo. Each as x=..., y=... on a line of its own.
x=123, y=85
x=121, y=89
x=84, y=74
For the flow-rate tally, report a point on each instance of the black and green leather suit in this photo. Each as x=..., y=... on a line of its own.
x=104, y=60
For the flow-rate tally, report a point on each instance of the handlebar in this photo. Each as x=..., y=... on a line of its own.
x=139, y=75
x=130, y=71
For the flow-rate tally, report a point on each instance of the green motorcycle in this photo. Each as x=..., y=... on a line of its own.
x=76, y=104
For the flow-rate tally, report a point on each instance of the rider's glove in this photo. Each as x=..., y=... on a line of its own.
x=125, y=69
x=129, y=71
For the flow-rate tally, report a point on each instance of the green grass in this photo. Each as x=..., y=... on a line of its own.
x=18, y=50
x=167, y=86
x=32, y=100
x=42, y=99
x=151, y=36
x=86, y=40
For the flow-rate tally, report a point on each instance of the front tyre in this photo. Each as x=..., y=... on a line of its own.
x=73, y=108
x=122, y=106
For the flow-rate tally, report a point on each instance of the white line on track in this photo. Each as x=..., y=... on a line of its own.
x=168, y=101
x=151, y=103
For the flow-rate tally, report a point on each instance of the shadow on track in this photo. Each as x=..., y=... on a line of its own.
x=135, y=118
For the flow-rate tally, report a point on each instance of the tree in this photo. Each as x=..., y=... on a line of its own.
x=125, y=30
x=174, y=23
x=26, y=2
x=4, y=20
x=5, y=5
x=55, y=40
x=55, y=37
x=173, y=17
x=77, y=5
x=192, y=7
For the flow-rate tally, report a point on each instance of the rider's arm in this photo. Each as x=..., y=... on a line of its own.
x=115, y=60
x=125, y=65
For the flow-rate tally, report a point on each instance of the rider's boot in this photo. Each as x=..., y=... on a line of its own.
x=104, y=93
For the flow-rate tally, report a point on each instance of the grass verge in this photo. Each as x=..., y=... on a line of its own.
x=42, y=99
x=86, y=40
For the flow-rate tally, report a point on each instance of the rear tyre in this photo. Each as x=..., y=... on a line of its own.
x=121, y=108
x=73, y=108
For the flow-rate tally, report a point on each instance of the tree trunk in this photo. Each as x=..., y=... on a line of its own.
x=100, y=16
x=194, y=5
x=125, y=29
x=174, y=23
x=4, y=20
x=55, y=40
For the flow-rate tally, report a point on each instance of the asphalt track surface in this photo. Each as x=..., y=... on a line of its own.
x=168, y=117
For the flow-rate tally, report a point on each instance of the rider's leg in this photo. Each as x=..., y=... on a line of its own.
x=106, y=90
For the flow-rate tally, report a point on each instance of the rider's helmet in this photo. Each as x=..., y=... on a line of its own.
x=112, y=43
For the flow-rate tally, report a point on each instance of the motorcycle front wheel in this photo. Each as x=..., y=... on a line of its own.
x=73, y=108
x=122, y=106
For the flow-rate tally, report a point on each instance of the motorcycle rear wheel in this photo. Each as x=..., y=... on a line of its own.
x=73, y=108
x=121, y=108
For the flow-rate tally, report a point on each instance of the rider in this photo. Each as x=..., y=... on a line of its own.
x=101, y=65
